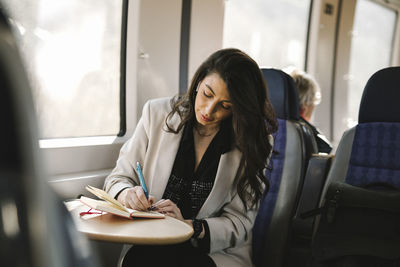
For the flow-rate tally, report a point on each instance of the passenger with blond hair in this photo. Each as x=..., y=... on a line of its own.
x=309, y=98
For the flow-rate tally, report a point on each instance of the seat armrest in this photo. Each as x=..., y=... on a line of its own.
x=314, y=181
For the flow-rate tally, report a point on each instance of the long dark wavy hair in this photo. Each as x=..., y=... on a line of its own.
x=253, y=117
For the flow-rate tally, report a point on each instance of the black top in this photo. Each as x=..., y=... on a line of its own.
x=187, y=188
x=322, y=142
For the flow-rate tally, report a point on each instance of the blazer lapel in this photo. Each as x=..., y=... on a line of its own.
x=164, y=159
x=228, y=165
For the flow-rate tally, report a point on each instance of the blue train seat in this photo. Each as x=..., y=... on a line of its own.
x=271, y=231
x=370, y=151
x=361, y=201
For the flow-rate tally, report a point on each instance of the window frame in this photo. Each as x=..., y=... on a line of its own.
x=81, y=157
x=47, y=143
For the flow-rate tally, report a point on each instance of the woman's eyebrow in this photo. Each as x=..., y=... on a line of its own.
x=212, y=91
x=209, y=87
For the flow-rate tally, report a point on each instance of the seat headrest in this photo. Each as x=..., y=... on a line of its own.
x=380, y=99
x=282, y=93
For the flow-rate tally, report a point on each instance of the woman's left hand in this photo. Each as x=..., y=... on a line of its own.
x=168, y=208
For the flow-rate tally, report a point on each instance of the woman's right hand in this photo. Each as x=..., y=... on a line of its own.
x=135, y=198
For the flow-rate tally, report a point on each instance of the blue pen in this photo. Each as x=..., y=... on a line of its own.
x=141, y=179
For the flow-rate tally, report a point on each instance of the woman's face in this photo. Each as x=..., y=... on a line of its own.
x=212, y=104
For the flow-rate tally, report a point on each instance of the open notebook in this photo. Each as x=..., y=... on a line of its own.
x=110, y=205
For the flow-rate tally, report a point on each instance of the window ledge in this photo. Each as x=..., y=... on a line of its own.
x=79, y=141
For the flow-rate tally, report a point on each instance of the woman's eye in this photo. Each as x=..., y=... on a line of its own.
x=226, y=107
x=206, y=95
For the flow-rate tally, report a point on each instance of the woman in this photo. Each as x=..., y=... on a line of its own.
x=204, y=157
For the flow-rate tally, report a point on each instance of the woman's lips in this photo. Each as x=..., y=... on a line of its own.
x=204, y=118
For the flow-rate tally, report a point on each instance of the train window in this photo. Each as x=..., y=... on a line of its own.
x=274, y=33
x=371, y=49
x=72, y=50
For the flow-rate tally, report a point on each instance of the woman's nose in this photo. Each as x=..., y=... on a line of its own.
x=210, y=108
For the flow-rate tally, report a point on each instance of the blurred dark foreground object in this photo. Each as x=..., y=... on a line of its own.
x=35, y=227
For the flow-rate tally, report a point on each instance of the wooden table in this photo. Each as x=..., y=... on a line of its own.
x=111, y=228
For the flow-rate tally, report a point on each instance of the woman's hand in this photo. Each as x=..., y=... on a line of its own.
x=168, y=208
x=135, y=198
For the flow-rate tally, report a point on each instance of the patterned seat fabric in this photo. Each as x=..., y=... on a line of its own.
x=375, y=153
x=375, y=156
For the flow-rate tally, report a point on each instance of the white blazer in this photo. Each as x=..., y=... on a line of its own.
x=230, y=225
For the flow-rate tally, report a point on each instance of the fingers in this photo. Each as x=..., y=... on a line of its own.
x=158, y=203
x=162, y=204
x=136, y=199
x=168, y=208
x=151, y=200
x=130, y=200
x=143, y=202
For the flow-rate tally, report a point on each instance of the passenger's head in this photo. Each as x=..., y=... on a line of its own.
x=212, y=102
x=309, y=93
x=242, y=100
x=245, y=85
